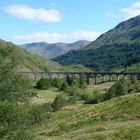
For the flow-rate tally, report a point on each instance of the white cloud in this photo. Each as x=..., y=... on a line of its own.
x=85, y=35
x=132, y=11
x=136, y=5
x=29, y=13
x=56, y=37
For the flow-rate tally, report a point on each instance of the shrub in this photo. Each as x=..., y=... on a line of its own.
x=118, y=89
x=36, y=114
x=123, y=87
x=64, y=86
x=48, y=107
x=44, y=83
x=12, y=117
x=72, y=100
x=56, y=82
x=87, y=96
x=75, y=91
x=59, y=102
x=69, y=80
x=72, y=81
x=93, y=97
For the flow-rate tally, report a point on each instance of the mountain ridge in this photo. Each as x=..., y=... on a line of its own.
x=118, y=47
x=123, y=28
x=29, y=62
x=53, y=49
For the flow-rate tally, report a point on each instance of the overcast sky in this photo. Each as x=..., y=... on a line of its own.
x=24, y=21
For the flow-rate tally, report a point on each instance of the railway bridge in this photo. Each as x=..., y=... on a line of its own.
x=97, y=76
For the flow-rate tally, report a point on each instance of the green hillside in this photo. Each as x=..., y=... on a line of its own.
x=31, y=62
x=118, y=48
x=126, y=31
x=100, y=122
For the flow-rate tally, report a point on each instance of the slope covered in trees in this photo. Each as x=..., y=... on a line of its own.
x=117, y=48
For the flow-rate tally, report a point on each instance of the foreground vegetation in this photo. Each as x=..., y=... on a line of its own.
x=102, y=121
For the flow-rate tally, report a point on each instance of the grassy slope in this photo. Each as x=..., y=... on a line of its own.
x=31, y=62
x=103, y=121
x=46, y=96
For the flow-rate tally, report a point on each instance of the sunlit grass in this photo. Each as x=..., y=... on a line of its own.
x=116, y=119
x=44, y=96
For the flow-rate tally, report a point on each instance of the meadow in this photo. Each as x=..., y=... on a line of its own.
x=116, y=119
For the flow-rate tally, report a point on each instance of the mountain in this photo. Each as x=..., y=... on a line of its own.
x=117, y=48
x=34, y=63
x=53, y=50
x=31, y=62
x=125, y=31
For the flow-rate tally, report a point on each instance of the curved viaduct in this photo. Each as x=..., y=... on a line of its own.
x=95, y=75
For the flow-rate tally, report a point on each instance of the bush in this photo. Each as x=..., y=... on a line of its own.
x=56, y=82
x=93, y=97
x=48, y=107
x=59, y=102
x=72, y=81
x=123, y=87
x=69, y=80
x=75, y=91
x=44, y=83
x=72, y=100
x=36, y=114
x=64, y=86
x=87, y=96
x=12, y=117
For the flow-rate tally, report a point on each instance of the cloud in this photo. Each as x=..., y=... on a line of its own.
x=136, y=5
x=132, y=11
x=85, y=35
x=29, y=13
x=57, y=37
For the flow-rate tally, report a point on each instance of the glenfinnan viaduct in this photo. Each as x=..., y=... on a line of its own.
x=97, y=76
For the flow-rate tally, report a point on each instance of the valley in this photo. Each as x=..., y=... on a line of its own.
x=81, y=121
x=72, y=91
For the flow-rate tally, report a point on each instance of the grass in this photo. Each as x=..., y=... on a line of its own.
x=102, y=121
x=28, y=62
x=116, y=119
x=45, y=96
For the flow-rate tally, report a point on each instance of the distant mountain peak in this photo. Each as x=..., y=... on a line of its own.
x=54, y=49
x=129, y=23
